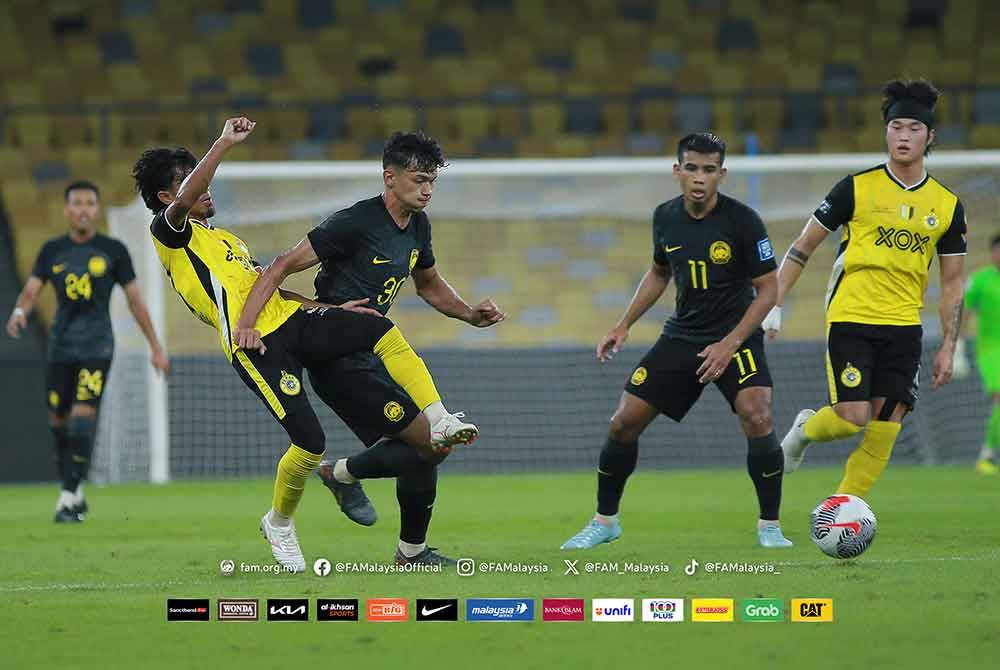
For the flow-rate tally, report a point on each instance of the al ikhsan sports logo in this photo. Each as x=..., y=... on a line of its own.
x=290, y=385
x=850, y=377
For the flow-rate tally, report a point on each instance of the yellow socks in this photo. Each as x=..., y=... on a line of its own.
x=866, y=464
x=294, y=469
x=407, y=368
x=826, y=425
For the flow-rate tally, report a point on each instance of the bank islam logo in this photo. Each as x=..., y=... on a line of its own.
x=287, y=609
x=437, y=609
x=711, y=609
x=612, y=609
x=238, y=609
x=388, y=609
x=337, y=609
x=663, y=610
x=762, y=609
x=499, y=609
x=562, y=609
x=812, y=609
x=187, y=609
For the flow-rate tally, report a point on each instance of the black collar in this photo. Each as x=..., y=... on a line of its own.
x=918, y=185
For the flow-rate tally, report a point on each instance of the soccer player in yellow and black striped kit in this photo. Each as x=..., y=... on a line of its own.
x=213, y=272
x=893, y=218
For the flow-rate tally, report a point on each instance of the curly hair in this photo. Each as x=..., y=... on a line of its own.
x=414, y=151
x=156, y=170
x=919, y=90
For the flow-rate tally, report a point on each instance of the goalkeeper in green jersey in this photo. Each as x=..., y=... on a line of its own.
x=983, y=297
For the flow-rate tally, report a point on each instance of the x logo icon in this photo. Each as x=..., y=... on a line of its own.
x=571, y=567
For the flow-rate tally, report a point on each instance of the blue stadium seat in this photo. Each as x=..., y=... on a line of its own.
x=841, y=78
x=803, y=110
x=799, y=138
x=692, y=114
x=557, y=62
x=378, y=6
x=640, y=13
x=117, y=47
x=266, y=60
x=210, y=24
x=316, y=14
x=137, y=9
x=737, y=34
x=208, y=86
x=584, y=116
x=645, y=144
x=499, y=5
x=326, y=123
x=307, y=151
x=444, y=41
x=237, y=6
x=497, y=146
x=986, y=106
x=48, y=172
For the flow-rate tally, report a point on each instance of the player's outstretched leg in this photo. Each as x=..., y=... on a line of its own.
x=617, y=461
x=824, y=425
x=795, y=441
x=348, y=492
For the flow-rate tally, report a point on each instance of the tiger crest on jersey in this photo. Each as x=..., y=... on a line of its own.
x=639, y=376
x=97, y=266
x=290, y=385
x=414, y=255
x=720, y=252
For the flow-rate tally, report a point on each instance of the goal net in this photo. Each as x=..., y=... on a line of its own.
x=560, y=245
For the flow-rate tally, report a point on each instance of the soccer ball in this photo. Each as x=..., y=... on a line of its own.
x=842, y=526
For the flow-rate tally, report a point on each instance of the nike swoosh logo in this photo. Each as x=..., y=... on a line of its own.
x=671, y=250
x=56, y=269
x=380, y=261
x=602, y=472
x=768, y=475
x=426, y=612
x=743, y=379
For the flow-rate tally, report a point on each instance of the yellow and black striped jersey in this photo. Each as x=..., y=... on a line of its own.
x=890, y=233
x=212, y=271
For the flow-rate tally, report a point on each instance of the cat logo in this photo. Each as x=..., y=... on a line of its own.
x=639, y=376
x=850, y=377
x=414, y=255
x=97, y=266
x=720, y=253
x=393, y=411
x=931, y=220
x=812, y=609
x=290, y=385
x=53, y=399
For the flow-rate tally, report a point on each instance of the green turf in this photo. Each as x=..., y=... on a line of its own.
x=93, y=596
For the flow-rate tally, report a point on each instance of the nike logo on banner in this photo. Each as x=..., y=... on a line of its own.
x=671, y=250
x=426, y=612
x=379, y=261
x=743, y=379
x=768, y=475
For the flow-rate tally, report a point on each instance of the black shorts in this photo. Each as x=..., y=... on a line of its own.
x=865, y=361
x=308, y=338
x=359, y=389
x=76, y=382
x=667, y=376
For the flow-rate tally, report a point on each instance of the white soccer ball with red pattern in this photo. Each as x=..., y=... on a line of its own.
x=843, y=526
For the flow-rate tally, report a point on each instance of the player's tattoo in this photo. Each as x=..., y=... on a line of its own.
x=797, y=256
x=956, y=321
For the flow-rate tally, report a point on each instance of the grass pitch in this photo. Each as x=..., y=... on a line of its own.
x=93, y=595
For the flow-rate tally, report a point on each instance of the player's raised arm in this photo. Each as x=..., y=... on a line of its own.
x=296, y=259
x=791, y=268
x=652, y=286
x=196, y=184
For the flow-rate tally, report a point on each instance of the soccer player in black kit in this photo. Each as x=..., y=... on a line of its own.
x=367, y=252
x=718, y=252
x=83, y=267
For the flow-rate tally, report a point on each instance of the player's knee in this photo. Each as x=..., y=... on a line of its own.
x=756, y=416
x=422, y=480
x=79, y=409
x=858, y=414
x=623, y=430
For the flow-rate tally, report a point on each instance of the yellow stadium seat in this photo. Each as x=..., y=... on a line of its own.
x=13, y=164
x=540, y=82
x=617, y=119
x=656, y=116
x=362, y=123
x=547, y=118
x=394, y=86
x=985, y=136
x=23, y=92
x=571, y=146
x=397, y=117
x=29, y=130
x=472, y=121
x=509, y=120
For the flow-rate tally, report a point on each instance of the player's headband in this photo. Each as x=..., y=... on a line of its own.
x=908, y=108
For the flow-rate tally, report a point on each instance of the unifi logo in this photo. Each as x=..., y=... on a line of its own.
x=613, y=609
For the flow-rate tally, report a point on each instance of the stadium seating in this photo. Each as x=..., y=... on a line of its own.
x=328, y=79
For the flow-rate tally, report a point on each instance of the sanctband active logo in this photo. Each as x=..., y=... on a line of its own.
x=499, y=609
x=762, y=609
